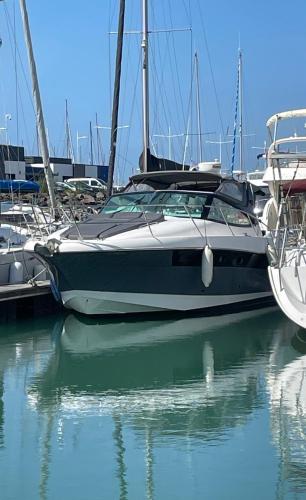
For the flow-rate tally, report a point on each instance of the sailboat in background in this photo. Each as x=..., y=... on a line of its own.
x=238, y=115
x=255, y=178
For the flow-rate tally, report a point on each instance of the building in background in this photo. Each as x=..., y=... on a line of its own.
x=63, y=169
x=12, y=162
x=15, y=165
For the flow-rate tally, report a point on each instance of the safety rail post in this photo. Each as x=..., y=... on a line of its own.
x=226, y=221
x=146, y=220
x=37, y=222
x=192, y=220
x=75, y=223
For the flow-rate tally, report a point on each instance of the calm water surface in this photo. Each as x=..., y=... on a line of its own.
x=197, y=408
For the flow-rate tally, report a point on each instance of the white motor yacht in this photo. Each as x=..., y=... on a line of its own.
x=284, y=216
x=172, y=241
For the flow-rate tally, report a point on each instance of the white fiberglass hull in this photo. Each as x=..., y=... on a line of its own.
x=93, y=302
x=133, y=272
x=289, y=288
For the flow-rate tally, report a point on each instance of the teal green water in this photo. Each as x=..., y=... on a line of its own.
x=197, y=408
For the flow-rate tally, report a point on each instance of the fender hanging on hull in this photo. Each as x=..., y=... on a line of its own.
x=207, y=267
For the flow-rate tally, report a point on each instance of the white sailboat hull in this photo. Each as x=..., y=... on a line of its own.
x=289, y=288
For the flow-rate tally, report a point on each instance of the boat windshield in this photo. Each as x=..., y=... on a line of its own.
x=177, y=204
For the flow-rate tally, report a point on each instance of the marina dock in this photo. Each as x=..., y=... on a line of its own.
x=26, y=299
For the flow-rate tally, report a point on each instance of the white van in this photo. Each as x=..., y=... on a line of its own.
x=97, y=184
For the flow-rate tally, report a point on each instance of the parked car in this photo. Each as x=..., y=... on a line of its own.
x=83, y=187
x=61, y=187
x=95, y=184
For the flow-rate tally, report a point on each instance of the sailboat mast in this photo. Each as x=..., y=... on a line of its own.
x=240, y=110
x=69, y=145
x=237, y=108
x=67, y=129
x=200, y=150
x=114, y=129
x=91, y=143
x=98, y=141
x=39, y=111
x=145, y=84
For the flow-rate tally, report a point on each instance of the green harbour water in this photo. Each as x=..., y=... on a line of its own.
x=186, y=408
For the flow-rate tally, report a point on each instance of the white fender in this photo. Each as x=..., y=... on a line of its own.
x=16, y=273
x=207, y=266
x=270, y=214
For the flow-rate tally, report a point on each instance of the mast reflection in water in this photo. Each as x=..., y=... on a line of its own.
x=186, y=408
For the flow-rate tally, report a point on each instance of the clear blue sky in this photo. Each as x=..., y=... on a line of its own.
x=75, y=60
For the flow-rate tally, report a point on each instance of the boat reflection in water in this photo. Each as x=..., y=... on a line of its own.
x=286, y=383
x=189, y=380
x=157, y=397
x=149, y=369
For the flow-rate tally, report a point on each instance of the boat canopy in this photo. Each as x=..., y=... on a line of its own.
x=296, y=113
x=238, y=192
x=176, y=179
x=174, y=176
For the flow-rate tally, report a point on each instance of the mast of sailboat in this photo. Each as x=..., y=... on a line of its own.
x=145, y=84
x=91, y=143
x=240, y=109
x=67, y=129
x=39, y=111
x=200, y=148
x=69, y=146
x=98, y=141
x=116, y=96
x=237, y=107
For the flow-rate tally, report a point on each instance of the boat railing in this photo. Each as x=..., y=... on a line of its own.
x=230, y=216
x=286, y=238
x=37, y=221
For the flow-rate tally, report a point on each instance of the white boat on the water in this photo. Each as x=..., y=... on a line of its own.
x=172, y=241
x=285, y=214
x=17, y=224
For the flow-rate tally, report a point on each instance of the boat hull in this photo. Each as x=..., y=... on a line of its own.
x=289, y=288
x=99, y=303
x=121, y=282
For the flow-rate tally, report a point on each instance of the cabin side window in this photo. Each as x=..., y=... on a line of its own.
x=232, y=190
x=220, y=211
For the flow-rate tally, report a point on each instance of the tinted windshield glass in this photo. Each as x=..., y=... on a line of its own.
x=127, y=202
x=180, y=204
x=177, y=204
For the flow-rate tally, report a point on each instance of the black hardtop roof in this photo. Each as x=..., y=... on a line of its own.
x=176, y=176
x=195, y=180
